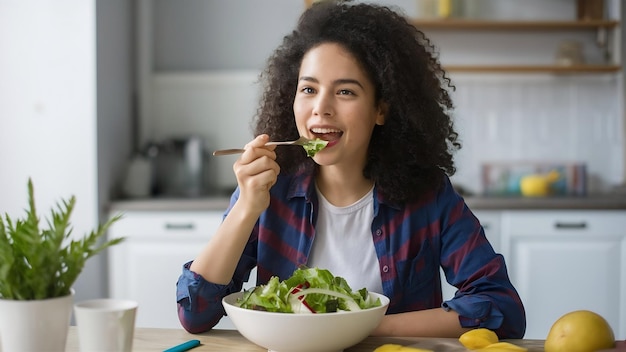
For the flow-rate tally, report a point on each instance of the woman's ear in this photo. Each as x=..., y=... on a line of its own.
x=383, y=108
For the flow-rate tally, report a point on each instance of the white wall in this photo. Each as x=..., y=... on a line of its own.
x=55, y=84
x=48, y=108
x=48, y=105
x=540, y=118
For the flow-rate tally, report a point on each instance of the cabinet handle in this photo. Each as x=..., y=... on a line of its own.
x=187, y=226
x=570, y=225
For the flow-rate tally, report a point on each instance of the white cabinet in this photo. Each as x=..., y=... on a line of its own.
x=490, y=220
x=147, y=265
x=561, y=261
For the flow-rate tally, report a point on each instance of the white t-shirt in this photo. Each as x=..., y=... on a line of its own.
x=343, y=243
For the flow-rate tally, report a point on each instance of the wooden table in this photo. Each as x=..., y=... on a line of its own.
x=149, y=339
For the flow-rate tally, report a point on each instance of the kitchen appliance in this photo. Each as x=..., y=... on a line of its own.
x=138, y=182
x=180, y=167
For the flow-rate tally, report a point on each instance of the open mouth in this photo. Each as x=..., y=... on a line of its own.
x=327, y=134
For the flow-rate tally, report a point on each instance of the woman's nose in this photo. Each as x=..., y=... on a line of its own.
x=323, y=105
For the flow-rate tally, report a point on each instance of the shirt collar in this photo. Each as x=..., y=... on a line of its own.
x=303, y=185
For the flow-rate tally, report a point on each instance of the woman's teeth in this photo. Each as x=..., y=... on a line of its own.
x=324, y=130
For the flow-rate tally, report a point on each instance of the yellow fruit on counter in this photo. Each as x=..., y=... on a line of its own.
x=390, y=347
x=538, y=185
x=503, y=347
x=478, y=338
x=580, y=331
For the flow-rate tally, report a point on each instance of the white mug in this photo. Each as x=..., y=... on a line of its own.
x=105, y=324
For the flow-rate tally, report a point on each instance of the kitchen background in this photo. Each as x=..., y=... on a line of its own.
x=200, y=80
x=89, y=85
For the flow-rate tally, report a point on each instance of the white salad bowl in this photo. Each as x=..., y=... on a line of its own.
x=288, y=332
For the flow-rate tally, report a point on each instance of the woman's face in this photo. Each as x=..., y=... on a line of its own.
x=335, y=101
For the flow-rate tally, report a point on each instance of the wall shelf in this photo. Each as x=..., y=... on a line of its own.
x=600, y=26
x=603, y=28
x=556, y=69
x=491, y=25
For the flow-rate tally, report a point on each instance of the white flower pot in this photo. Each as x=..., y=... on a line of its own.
x=35, y=326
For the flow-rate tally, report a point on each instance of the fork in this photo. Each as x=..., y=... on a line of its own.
x=300, y=141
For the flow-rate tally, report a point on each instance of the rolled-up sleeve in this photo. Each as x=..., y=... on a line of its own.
x=199, y=301
x=490, y=302
x=485, y=297
x=476, y=312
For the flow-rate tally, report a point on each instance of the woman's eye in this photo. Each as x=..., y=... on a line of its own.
x=307, y=90
x=345, y=92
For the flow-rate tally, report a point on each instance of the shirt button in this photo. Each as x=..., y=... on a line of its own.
x=379, y=232
x=385, y=269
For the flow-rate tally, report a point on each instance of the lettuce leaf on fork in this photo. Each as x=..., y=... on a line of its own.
x=308, y=290
x=314, y=146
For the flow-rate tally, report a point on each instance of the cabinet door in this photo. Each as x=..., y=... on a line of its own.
x=565, y=261
x=150, y=278
x=490, y=220
x=147, y=265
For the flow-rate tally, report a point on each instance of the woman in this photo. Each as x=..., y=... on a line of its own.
x=375, y=206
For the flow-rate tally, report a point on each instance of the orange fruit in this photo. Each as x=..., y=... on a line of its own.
x=580, y=331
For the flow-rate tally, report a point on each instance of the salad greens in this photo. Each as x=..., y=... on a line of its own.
x=308, y=290
x=314, y=146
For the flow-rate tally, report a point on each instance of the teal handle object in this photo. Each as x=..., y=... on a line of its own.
x=184, y=346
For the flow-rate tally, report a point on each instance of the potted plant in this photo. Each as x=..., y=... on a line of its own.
x=38, y=266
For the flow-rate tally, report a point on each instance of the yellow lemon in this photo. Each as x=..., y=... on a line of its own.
x=579, y=331
x=478, y=338
x=503, y=347
x=390, y=347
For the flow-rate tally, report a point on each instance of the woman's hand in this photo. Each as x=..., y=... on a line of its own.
x=256, y=171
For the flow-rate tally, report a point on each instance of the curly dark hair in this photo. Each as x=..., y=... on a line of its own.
x=412, y=151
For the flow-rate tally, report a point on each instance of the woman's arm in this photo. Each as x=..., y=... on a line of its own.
x=256, y=171
x=486, y=297
x=435, y=322
x=209, y=277
x=217, y=261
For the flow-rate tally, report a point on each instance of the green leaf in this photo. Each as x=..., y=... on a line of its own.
x=39, y=263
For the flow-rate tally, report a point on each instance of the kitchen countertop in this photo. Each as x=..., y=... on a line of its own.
x=170, y=204
x=219, y=203
x=597, y=202
x=150, y=339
